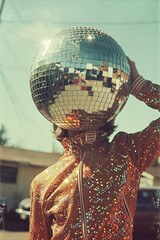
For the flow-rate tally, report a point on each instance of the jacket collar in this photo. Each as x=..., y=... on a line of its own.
x=85, y=140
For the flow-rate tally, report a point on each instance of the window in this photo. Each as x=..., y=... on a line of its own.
x=146, y=199
x=8, y=174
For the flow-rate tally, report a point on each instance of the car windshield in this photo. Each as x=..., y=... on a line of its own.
x=148, y=199
x=158, y=194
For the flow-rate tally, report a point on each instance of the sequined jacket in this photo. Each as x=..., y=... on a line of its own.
x=90, y=193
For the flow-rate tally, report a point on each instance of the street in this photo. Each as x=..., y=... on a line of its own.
x=9, y=235
x=13, y=228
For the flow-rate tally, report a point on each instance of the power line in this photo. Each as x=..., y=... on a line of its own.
x=20, y=109
x=87, y=23
x=13, y=53
x=15, y=10
x=14, y=33
x=89, y=0
x=12, y=95
x=1, y=7
x=16, y=68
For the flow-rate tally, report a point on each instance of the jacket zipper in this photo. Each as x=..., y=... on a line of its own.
x=82, y=204
x=127, y=209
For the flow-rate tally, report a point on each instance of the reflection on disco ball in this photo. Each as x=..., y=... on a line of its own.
x=80, y=79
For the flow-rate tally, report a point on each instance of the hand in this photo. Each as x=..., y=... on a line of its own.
x=134, y=71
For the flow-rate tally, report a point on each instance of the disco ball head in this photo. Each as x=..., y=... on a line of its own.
x=79, y=79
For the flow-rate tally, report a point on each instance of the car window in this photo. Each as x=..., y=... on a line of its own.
x=146, y=199
x=158, y=194
x=158, y=198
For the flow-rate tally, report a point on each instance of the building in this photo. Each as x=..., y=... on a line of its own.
x=19, y=167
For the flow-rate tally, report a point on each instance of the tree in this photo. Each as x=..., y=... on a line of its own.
x=3, y=138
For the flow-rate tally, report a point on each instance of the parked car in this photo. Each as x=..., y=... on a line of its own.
x=3, y=212
x=147, y=215
x=24, y=209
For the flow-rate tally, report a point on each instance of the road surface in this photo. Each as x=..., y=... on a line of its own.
x=10, y=235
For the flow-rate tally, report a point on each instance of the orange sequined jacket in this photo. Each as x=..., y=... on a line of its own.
x=90, y=193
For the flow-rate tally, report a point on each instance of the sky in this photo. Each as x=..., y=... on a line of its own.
x=25, y=25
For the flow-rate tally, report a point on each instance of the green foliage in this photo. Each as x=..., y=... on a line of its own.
x=3, y=138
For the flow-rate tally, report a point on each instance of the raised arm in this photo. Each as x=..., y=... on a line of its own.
x=144, y=90
x=144, y=146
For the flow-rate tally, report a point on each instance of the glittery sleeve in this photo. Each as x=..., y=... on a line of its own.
x=147, y=92
x=39, y=225
x=144, y=146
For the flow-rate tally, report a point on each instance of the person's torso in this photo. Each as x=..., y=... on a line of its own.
x=105, y=201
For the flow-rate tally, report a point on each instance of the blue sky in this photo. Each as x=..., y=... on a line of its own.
x=24, y=25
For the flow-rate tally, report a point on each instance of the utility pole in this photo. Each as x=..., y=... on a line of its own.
x=1, y=7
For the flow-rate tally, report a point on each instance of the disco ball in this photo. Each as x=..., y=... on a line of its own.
x=79, y=79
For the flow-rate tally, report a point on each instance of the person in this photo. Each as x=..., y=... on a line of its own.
x=91, y=192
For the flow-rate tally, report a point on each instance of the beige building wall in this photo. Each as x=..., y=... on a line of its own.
x=15, y=192
x=28, y=164
x=25, y=177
